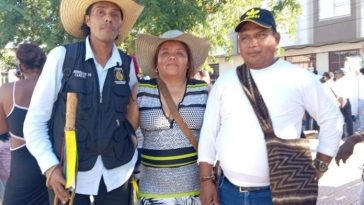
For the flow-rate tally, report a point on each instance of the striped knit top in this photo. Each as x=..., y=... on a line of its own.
x=169, y=167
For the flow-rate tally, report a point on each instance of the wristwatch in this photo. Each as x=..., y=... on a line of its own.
x=320, y=165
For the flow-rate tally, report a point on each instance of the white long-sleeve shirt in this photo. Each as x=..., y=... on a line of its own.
x=40, y=110
x=347, y=88
x=231, y=131
x=330, y=91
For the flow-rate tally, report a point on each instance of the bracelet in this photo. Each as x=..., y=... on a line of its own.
x=48, y=176
x=207, y=178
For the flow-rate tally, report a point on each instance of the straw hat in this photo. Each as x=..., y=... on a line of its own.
x=146, y=46
x=72, y=13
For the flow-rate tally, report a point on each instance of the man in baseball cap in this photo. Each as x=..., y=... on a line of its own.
x=231, y=129
x=261, y=17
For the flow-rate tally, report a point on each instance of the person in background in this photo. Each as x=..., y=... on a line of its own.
x=4, y=162
x=18, y=73
x=231, y=131
x=169, y=172
x=347, y=149
x=353, y=65
x=328, y=82
x=203, y=75
x=310, y=123
x=101, y=77
x=360, y=78
x=343, y=91
x=26, y=184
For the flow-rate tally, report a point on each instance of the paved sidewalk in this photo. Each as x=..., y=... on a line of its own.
x=341, y=185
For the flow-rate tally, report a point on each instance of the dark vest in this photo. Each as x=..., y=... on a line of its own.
x=101, y=127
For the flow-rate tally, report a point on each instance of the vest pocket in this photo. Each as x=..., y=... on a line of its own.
x=83, y=89
x=123, y=146
x=121, y=95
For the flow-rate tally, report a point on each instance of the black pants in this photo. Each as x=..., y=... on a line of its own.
x=119, y=196
x=346, y=111
x=26, y=184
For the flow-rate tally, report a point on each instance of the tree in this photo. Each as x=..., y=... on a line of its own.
x=38, y=20
x=31, y=20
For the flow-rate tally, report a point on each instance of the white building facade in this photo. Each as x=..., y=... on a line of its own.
x=327, y=32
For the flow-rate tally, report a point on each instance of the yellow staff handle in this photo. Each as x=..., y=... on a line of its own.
x=71, y=158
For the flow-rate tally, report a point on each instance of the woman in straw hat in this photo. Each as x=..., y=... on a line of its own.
x=26, y=184
x=169, y=172
x=101, y=76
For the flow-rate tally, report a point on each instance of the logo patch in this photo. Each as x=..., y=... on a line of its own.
x=119, y=75
x=252, y=14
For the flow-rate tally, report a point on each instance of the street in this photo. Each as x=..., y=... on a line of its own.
x=341, y=185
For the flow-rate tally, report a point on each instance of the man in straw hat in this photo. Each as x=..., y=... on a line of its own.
x=231, y=129
x=101, y=77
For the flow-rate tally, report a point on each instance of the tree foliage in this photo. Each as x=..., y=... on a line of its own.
x=38, y=20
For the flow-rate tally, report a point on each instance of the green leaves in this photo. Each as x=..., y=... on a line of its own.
x=38, y=20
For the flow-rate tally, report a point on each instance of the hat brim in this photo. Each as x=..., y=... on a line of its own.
x=146, y=47
x=261, y=24
x=72, y=13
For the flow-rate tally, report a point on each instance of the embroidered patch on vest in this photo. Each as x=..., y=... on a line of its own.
x=119, y=75
x=81, y=74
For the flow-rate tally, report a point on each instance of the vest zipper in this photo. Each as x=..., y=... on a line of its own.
x=99, y=112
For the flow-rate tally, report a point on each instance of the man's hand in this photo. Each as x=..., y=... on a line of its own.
x=346, y=149
x=57, y=182
x=134, y=140
x=208, y=193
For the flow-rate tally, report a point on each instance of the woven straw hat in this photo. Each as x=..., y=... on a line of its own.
x=146, y=46
x=72, y=13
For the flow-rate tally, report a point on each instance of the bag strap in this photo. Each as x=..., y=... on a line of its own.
x=256, y=100
x=333, y=91
x=177, y=117
x=74, y=52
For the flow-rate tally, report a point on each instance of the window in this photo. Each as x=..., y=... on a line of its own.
x=333, y=8
x=337, y=58
x=305, y=61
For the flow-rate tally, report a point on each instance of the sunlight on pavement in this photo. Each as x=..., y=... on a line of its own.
x=341, y=184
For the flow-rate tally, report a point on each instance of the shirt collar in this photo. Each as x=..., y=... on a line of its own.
x=113, y=60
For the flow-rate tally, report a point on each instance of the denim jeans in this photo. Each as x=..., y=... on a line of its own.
x=229, y=194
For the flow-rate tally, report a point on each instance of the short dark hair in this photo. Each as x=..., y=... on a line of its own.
x=31, y=56
x=190, y=68
x=85, y=29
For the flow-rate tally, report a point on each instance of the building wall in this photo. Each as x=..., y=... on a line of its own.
x=335, y=29
x=233, y=62
x=304, y=33
x=322, y=62
x=360, y=16
x=316, y=37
